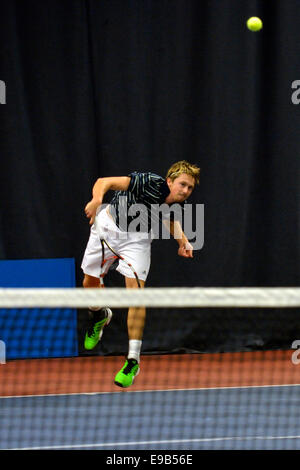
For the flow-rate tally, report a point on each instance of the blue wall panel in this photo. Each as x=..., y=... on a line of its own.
x=38, y=333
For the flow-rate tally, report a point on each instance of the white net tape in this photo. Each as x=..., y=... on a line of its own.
x=150, y=297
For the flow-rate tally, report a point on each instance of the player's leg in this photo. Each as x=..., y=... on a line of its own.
x=136, y=317
x=135, y=324
x=90, y=281
x=98, y=317
x=93, y=269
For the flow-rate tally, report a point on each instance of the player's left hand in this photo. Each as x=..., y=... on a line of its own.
x=186, y=250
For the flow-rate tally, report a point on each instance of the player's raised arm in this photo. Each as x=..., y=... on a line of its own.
x=102, y=185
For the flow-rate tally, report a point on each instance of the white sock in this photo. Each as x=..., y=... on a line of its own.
x=134, y=349
x=91, y=311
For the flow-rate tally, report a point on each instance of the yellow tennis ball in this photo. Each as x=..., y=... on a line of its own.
x=254, y=23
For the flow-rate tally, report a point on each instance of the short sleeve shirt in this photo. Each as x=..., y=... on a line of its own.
x=143, y=204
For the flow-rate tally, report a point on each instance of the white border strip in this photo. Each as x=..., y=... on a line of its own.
x=171, y=441
x=150, y=297
x=149, y=391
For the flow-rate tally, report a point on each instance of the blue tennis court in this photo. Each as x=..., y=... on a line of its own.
x=248, y=418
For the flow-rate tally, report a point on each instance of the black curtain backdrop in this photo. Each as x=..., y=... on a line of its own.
x=105, y=87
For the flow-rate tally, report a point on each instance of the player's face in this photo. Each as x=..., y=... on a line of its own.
x=181, y=188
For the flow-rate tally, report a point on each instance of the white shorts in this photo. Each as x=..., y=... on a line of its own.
x=134, y=247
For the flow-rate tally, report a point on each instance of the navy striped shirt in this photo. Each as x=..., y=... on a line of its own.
x=145, y=193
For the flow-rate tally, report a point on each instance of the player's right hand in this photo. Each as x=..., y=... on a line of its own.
x=91, y=209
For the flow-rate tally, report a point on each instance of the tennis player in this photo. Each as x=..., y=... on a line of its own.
x=115, y=222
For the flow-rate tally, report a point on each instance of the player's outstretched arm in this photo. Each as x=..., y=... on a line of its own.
x=185, y=248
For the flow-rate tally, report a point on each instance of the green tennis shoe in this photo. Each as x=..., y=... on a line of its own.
x=127, y=374
x=95, y=331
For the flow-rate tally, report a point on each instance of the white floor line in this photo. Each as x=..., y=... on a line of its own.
x=173, y=441
x=150, y=391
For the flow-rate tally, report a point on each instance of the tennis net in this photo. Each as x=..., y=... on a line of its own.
x=219, y=369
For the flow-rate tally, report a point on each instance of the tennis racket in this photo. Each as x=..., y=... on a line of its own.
x=115, y=256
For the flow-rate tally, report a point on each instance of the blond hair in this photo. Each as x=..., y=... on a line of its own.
x=181, y=167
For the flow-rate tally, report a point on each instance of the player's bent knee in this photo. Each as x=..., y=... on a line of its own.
x=132, y=283
x=90, y=281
